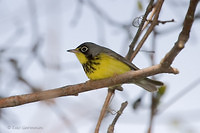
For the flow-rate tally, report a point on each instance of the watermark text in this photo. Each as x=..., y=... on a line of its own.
x=17, y=127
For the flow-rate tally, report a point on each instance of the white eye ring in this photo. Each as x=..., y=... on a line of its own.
x=84, y=49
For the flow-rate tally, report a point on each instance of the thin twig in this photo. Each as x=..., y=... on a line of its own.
x=180, y=94
x=133, y=43
x=154, y=100
x=154, y=103
x=150, y=29
x=150, y=18
x=104, y=108
x=183, y=36
x=119, y=113
x=161, y=22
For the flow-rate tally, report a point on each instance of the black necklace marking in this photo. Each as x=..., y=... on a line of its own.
x=89, y=66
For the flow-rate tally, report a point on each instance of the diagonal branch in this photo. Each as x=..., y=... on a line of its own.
x=133, y=43
x=183, y=36
x=83, y=87
x=170, y=56
x=119, y=113
x=104, y=109
x=150, y=29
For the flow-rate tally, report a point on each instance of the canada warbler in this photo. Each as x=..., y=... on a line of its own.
x=99, y=62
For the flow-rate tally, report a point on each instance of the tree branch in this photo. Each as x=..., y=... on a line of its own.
x=133, y=43
x=104, y=109
x=112, y=125
x=170, y=56
x=150, y=29
x=83, y=87
x=183, y=36
x=191, y=86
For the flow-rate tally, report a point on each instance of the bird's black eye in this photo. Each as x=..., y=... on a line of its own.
x=84, y=49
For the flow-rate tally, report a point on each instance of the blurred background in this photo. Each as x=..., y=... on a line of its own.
x=34, y=37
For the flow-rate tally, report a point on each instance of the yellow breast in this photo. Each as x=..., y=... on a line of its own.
x=102, y=66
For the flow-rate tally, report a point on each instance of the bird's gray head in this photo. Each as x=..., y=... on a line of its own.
x=90, y=49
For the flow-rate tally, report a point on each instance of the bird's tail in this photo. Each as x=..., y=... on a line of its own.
x=148, y=84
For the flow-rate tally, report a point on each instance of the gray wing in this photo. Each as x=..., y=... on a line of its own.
x=121, y=58
x=146, y=83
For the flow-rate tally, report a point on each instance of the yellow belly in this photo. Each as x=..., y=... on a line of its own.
x=104, y=67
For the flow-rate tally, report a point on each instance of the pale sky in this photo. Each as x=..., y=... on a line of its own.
x=63, y=25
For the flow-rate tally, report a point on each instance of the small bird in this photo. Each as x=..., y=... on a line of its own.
x=99, y=62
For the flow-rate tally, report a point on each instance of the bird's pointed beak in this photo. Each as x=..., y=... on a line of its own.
x=73, y=51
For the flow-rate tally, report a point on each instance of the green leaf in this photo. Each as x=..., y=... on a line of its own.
x=162, y=90
x=139, y=4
